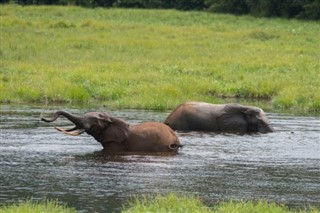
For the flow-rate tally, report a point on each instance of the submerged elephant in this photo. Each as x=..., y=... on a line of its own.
x=116, y=135
x=233, y=118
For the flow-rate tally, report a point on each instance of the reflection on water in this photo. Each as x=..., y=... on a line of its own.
x=37, y=161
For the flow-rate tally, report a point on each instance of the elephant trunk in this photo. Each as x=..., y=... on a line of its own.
x=265, y=128
x=75, y=119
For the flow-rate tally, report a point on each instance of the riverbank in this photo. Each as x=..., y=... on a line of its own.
x=156, y=59
x=168, y=203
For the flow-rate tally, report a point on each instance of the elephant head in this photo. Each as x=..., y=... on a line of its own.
x=103, y=127
x=254, y=118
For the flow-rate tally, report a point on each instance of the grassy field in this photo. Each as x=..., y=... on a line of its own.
x=170, y=203
x=156, y=59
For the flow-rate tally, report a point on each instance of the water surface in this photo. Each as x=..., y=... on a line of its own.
x=38, y=161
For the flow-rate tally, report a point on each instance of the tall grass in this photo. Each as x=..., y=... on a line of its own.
x=37, y=207
x=167, y=203
x=172, y=203
x=156, y=59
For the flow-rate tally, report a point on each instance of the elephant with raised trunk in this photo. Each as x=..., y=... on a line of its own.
x=116, y=135
x=231, y=118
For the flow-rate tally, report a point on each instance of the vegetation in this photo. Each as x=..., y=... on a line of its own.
x=156, y=59
x=302, y=9
x=186, y=204
x=37, y=207
x=168, y=203
x=162, y=203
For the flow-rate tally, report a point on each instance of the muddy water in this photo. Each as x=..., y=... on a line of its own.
x=39, y=162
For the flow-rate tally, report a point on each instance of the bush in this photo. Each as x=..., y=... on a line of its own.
x=305, y=9
x=177, y=4
x=189, y=4
x=228, y=6
x=42, y=2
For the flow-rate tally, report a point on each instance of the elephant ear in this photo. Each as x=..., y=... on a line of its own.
x=232, y=119
x=104, y=120
x=116, y=131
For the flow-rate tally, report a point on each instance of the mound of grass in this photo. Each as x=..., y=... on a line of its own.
x=156, y=59
x=37, y=207
x=180, y=203
x=259, y=206
x=170, y=203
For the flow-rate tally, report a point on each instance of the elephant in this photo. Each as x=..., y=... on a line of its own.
x=220, y=118
x=115, y=135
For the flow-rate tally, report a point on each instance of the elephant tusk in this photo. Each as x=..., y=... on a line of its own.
x=68, y=132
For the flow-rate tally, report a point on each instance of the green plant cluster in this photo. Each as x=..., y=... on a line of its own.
x=47, y=206
x=173, y=203
x=170, y=203
x=301, y=9
x=156, y=59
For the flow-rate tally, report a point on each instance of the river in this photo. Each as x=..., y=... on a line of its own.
x=39, y=162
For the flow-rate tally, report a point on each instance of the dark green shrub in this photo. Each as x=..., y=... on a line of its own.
x=311, y=10
x=304, y=9
x=103, y=3
x=189, y=4
x=42, y=2
x=177, y=4
x=228, y=6
x=129, y=3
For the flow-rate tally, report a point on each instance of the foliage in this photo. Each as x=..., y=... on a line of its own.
x=167, y=203
x=288, y=8
x=150, y=59
x=257, y=206
x=37, y=207
x=303, y=9
x=228, y=6
x=181, y=203
x=162, y=203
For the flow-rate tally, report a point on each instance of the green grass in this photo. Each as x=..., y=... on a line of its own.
x=257, y=207
x=167, y=203
x=173, y=203
x=156, y=59
x=170, y=203
x=37, y=207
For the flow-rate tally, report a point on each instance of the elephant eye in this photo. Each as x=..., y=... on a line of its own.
x=248, y=115
x=100, y=116
x=94, y=129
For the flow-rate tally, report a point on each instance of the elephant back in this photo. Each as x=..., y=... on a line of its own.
x=152, y=137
